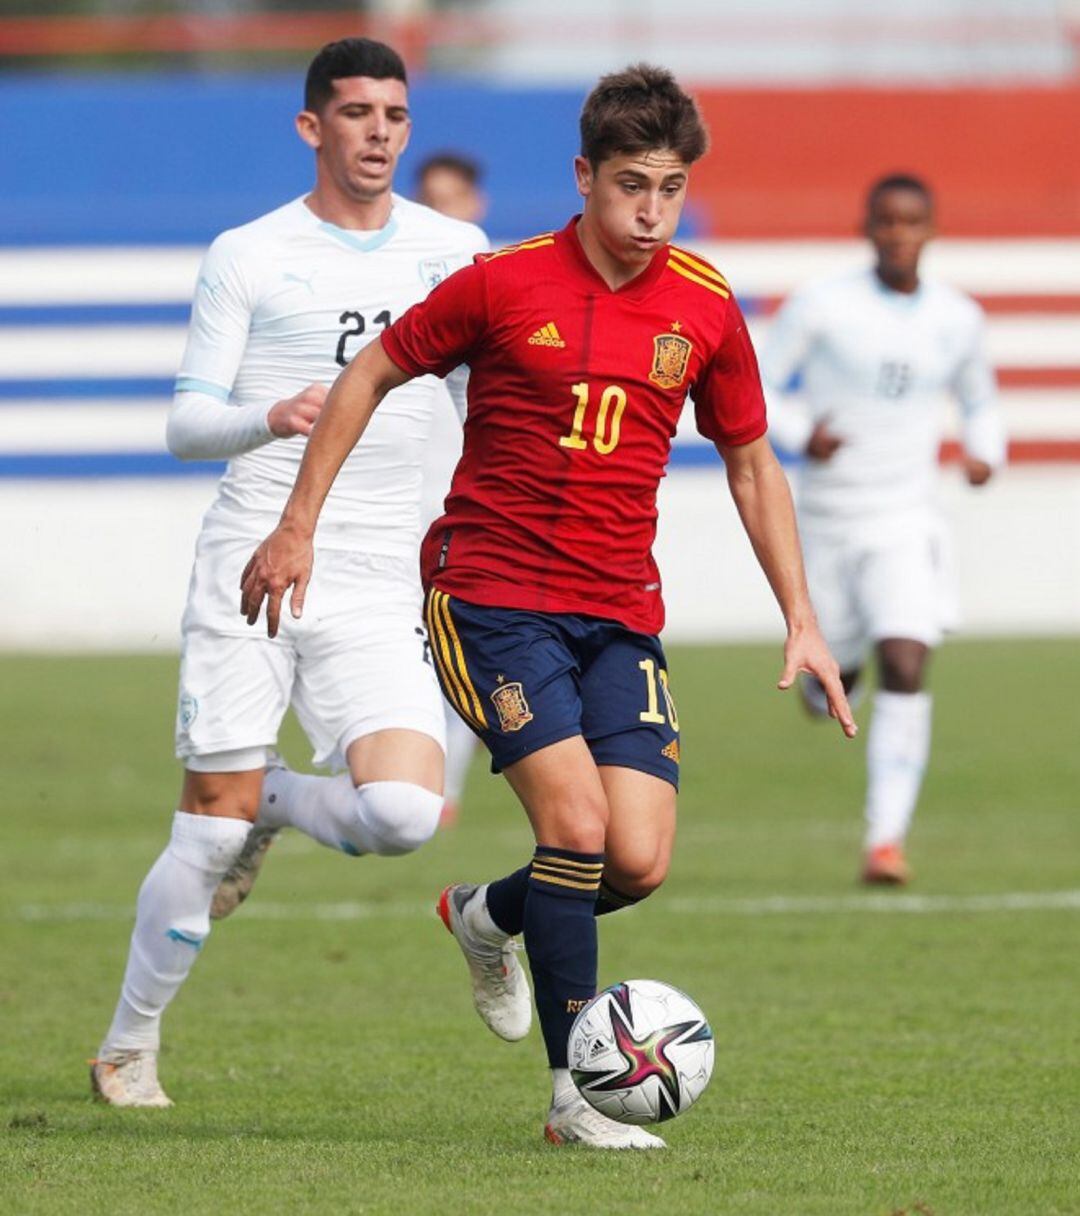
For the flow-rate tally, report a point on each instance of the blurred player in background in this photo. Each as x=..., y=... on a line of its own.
x=875, y=352
x=449, y=182
x=282, y=304
x=543, y=599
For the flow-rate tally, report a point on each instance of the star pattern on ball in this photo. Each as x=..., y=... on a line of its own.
x=645, y=1057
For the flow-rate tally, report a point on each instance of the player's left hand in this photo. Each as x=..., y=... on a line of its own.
x=282, y=561
x=978, y=472
x=805, y=650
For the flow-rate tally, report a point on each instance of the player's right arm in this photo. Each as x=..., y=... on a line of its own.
x=204, y=423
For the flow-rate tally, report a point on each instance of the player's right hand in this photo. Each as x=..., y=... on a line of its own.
x=823, y=442
x=282, y=561
x=297, y=415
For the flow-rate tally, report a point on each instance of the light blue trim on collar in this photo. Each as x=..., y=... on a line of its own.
x=351, y=238
x=191, y=384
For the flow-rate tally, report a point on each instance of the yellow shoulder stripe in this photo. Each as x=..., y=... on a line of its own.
x=708, y=284
x=534, y=242
x=696, y=264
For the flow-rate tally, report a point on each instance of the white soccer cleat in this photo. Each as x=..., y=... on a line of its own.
x=574, y=1121
x=236, y=886
x=500, y=990
x=128, y=1078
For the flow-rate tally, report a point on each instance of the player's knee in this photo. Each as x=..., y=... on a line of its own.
x=901, y=678
x=397, y=816
x=638, y=873
x=223, y=795
x=902, y=664
x=580, y=825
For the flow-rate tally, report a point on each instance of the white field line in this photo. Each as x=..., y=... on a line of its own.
x=894, y=904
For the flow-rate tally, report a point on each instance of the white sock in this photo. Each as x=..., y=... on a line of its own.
x=563, y=1089
x=897, y=750
x=478, y=918
x=323, y=808
x=460, y=747
x=385, y=817
x=172, y=920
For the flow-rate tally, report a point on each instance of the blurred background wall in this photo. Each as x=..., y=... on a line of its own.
x=133, y=132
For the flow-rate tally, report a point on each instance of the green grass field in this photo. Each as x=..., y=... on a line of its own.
x=909, y=1052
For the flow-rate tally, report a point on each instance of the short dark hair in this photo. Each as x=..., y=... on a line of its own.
x=349, y=57
x=455, y=162
x=639, y=109
x=898, y=181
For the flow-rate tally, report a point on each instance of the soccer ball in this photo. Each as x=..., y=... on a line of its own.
x=641, y=1052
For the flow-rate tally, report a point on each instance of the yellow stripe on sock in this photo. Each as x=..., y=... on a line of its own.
x=550, y=860
x=565, y=882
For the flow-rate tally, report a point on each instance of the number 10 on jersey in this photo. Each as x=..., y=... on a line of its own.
x=605, y=438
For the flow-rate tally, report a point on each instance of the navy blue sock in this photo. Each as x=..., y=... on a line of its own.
x=560, y=939
x=506, y=900
x=610, y=900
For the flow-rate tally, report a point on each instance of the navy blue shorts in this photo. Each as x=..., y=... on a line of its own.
x=524, y=680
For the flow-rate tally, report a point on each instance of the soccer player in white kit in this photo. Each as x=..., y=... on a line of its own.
x=282, y=304
x=875, y=354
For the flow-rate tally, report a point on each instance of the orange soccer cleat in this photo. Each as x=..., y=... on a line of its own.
x=885, y=864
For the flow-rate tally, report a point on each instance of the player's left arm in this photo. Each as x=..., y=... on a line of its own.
x=763, y=499
x=730, y=411
x=982, y=428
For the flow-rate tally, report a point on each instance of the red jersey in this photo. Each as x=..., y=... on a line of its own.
x=574, y=394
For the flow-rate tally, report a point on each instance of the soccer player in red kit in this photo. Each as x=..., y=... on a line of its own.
x=543, y=599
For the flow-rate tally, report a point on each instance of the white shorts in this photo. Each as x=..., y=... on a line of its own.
x=356, y=662
x=892, y=580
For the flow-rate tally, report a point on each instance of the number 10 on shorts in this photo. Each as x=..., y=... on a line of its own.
x=656, y=685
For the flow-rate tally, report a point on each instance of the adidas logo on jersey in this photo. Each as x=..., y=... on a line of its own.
x=547, y=335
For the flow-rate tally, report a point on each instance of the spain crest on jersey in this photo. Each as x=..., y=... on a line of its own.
x=513, y=709
x=671, y=358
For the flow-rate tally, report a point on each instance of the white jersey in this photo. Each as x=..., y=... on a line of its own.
x=287, y=301
x=879, y=366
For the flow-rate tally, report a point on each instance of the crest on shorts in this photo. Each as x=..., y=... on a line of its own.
x=189, y=709
x=671, y=358
x=433, y=271
x=513, y=709
x=671, y=751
